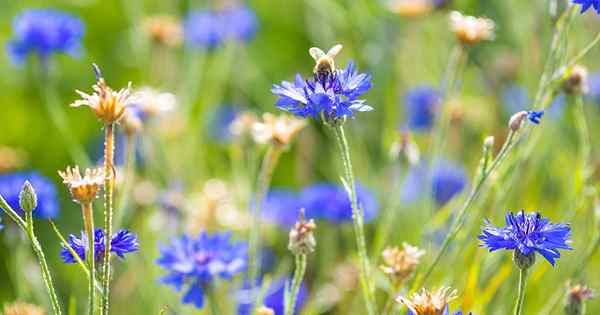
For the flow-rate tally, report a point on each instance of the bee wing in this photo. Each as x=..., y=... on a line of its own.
x=334, y=50
x=316, y=53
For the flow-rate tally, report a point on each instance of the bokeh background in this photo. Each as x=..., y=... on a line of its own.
x=182, y=153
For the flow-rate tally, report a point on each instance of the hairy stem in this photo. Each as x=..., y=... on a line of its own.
x=109, y=180
x=357, y=219
x=88, y=224
x=290, y=303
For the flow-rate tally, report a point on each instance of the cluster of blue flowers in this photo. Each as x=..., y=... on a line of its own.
x=47, y=196
x=334, y=97
x=121, y=243
x=44, y=32
x=212, y=28
x=528, y=233
x=322, y=201
x=273, y=297
x=197, y=261
x=587, y=4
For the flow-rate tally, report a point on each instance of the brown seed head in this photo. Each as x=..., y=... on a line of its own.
x=83, y=188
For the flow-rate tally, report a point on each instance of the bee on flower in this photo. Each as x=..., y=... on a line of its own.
x=471, y=30
x=278, y=130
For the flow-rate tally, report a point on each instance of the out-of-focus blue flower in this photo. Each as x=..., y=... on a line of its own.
x=535, y=116
x=448, y=179
x=527, y=233
x=44, y=32
x=331, y=202
x=594, y=86
x=195, y=262
x=514, y=98
x=282, y=207
x=274, y=297
x=211, y=28
x=587, y=4
x=121, y=243
x=334, y=97
x=219, y=122
x=47, y=205
x=421, y=105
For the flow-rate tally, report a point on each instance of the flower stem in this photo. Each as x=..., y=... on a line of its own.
x=46, y=276
x=521, y=294
x=213, y=301
x=357, y=219
x=264, y=181
x=88, y=224
x=298, y=276
x=109, y=180
x=482, y=176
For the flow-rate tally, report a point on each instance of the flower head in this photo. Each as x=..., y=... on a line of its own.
x=470, y=29
x=410, y=8
x=47, y=196
x=211, y=28
x=278, y=130
x=83, y=188
x=273, y=299
x=44, y=32
x=242, y=124
x=516, y=120
x=108, y=105
x=198, y=261
x=302, y=240
x=150, y=102
x=429, y=303
x=121, y=243
x=527, y=234
x=576, y=80
x=421, y=105
x=398, y=263
x=334, y=97
x=20, y=308
x=163, y=29
x=587, y=4
x=447, y=179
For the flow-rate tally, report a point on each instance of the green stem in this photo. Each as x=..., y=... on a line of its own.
x=296, y=282
x=109, y=179
x=88, y=223
x=264, y=181
x=357, y=219
x=213, y=301
x=521, y=294
x=483, y=174
x=46, y=276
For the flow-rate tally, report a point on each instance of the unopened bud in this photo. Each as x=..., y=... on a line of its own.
x=576, y=80
x=263, y=310
x=27, y=198
x=488, y=142
x=302, y=240
x=523, y=261
x=516, y=120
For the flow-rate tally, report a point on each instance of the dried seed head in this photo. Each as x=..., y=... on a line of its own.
x=302, y=240
x=470, y=29
x=576, y=80
x=278, y=130
x=20, y=308
x=164, y=30
x=576, y=297
x=242, y=125
x=83, y=188
x=398, y=263
x=108, y=105
x=428, y=303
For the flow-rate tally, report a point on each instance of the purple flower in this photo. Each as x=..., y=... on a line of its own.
x=527, y=233
x=587, y=4
x=47, y=197
x=274, y=297
x=448, y=179
x=332, y=203
x=196, y=262
x=421, y=105
x=241, y=22
x=535, y=116
x=334, y=97
x=121, y=243
x=282, y=206
x=44, y=32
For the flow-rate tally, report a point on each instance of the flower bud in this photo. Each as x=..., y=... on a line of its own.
x=576, y=80
x=576, y=297
x=488, y=143
x=523, y=261
x=302, y=240
x=27, y=198
x=516, y=120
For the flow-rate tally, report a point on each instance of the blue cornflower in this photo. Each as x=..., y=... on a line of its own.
x=587, y=4
x=273, y=299
x=121, y=243
x=197, y=261
x=527, y=233
x=535, y=116
x=594, y=86
x=47, y=205
x=44, y=32
x=447, y=179
x=282, y=206
x=331, y=202
x=211, y=28
x=219, y=122
x=241, y=23
x=334, y=97
x=421, y=105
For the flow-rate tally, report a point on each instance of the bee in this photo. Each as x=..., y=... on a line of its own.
x=325, y=65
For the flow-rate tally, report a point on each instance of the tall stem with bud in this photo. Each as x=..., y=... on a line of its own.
x=109, y=173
